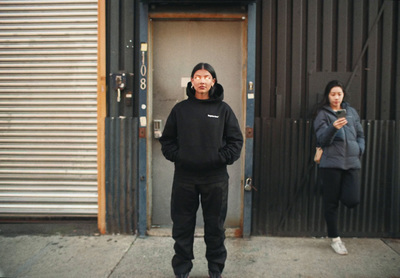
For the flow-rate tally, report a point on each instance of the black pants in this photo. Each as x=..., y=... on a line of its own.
x=338, y=185
x=185, y=202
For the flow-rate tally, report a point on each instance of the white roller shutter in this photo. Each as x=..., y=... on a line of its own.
x=48, y=71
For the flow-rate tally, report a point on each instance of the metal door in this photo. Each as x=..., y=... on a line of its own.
x=175, y=48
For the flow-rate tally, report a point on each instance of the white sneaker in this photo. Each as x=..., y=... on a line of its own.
x=339, y=247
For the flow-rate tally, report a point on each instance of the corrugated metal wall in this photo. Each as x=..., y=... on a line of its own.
x=300, y=40
x=289, y=199
x=121, y=173
x=48, y=72
x=302, y=45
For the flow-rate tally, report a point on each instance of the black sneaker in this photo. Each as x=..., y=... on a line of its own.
x=186, y=275
x=214, y=274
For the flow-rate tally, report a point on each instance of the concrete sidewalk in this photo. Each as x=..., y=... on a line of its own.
x=130, y=256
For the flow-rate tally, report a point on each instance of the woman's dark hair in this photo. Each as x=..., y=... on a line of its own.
x=328, y=88
x=208, y=68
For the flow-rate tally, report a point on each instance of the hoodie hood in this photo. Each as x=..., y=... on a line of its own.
x=217, y=93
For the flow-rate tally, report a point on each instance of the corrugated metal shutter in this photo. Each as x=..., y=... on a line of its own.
x=48, y=71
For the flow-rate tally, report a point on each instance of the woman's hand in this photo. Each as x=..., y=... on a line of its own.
x=339, y=123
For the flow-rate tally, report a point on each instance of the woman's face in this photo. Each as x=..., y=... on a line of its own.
x=336, y=96
x=202, y=82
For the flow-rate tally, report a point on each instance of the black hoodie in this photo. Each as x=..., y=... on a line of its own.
x=201, y=137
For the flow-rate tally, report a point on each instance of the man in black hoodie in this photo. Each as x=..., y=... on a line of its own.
x=201, y=136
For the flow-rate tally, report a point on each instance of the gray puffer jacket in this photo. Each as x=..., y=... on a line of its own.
x=342, y=148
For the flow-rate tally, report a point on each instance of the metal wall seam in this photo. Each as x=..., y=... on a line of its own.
x=48, y=108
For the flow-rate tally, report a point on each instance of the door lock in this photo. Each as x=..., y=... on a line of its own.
x=251, y=86
x=157, y=128
x=249, y=186
x=120, y=81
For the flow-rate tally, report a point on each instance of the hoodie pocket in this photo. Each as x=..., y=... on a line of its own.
x=192, y=158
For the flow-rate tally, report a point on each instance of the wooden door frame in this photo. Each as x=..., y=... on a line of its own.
x=101, y=114
x=248, y=107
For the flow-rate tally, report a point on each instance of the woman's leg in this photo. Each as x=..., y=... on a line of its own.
x=350, y=196
x=331, y=186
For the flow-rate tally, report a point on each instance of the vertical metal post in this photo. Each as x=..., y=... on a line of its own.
x=142, y=88
x=395, y=229
x=251, y=66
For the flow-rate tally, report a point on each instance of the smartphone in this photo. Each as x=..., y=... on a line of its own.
x=341, y=113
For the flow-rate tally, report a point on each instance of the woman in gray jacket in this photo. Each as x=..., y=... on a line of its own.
x=342, y=141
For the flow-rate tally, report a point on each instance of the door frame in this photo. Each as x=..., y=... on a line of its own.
x=144, y=170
